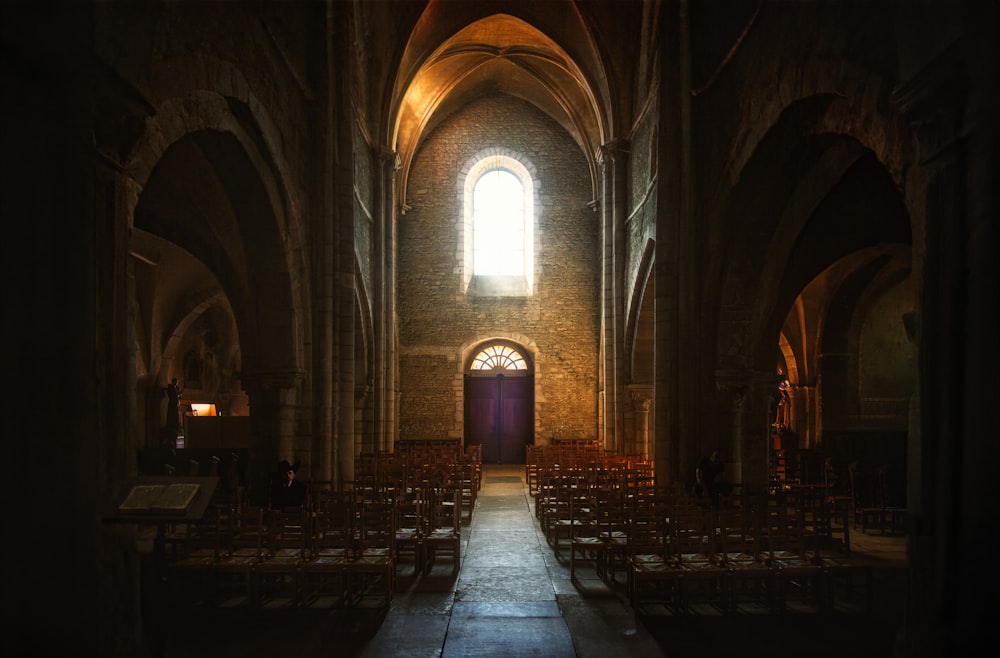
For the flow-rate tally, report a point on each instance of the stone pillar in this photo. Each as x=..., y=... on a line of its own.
x=677, y=258
x=803, y=414
x=273, y=404
x=833, y=391
x=750, y=394
x=951, y=102
x=642, y=401
x=327, y=233
x=613, y=158
x=362, y=417
x=384, y=302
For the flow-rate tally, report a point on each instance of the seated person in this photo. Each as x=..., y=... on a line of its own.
x=710, y=479
x=286, y=491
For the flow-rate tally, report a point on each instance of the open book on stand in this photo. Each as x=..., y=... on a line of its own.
x=163, y=498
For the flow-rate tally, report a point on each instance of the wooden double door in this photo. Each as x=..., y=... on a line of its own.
x=500, y=416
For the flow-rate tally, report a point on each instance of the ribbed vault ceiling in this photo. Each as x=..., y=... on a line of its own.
x=499, y=53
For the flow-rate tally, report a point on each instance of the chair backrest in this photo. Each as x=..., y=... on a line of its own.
x=376, y=525
x=444, y=509
x=647, y=528
x=288, y=530
x=333, y=527
x=737, y=533
x=409, y=508
x=246, y=532
x=783, y=530
x=207, y=534
x=691, y=533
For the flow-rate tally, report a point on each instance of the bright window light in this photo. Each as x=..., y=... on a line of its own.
x=498, y=224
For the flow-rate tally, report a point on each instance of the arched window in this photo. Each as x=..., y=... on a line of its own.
x=499, y=228
x=498, y=224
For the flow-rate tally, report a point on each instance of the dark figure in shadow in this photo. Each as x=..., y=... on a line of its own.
x=286, y=491
x=172, y=424
x=710, y=479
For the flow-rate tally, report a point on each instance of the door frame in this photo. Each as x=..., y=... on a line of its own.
x=505, y=359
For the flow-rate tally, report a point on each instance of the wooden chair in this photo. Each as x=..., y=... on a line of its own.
x=244, y=549
x=798, y=579
x=324, y=571
x=372, y=571
x=546, y=495
x=286, y=548
x=586, y=541
x=651, y=576
x=839, y=501
x=409, y=510
x=751, y=579
x=612, y=521
x=817, y=517
x=190, y=568
x=894, y=517
x=576, y=518
x=701, y=576
x=467, y=476
x=847, y=584
x=570, y=511
x=867, y=500
x=443, y=529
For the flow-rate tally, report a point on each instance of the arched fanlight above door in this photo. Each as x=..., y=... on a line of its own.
x=499, y=356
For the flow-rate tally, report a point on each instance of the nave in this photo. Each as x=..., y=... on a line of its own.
x=513, y=597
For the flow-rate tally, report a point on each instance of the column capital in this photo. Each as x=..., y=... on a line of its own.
x=388, y=155
x=642, y=396
x=611, y=150
x=740, y=383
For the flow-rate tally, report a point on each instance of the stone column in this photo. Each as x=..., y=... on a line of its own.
x=273, y=398
x=327, y=233
x=749, y=448
x=678, y=257
x=384, y=302
x=951, y=102
x=613, y=158
x=803, y=414
x=362, y=416
x=642, y=401
x=832, y=391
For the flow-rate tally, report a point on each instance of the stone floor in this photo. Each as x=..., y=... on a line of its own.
x=512, y=597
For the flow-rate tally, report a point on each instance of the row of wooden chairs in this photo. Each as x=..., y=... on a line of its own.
x=763, y=551
x=429, y=450
x=869, y=494
x=253, y=556
x=736, y=560
x=600, y=492
x=874, y=505
x=342, y=550
x=391, y=472
x=539, y=458
x=429, y=526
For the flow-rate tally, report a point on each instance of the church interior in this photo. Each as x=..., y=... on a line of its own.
x=467, y=259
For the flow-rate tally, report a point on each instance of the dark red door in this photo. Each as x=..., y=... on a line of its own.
x=481, y=395
x=499, y=415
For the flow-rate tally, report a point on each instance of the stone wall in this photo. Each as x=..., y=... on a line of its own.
x=559, y=324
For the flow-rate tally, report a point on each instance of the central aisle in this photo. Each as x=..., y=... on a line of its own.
x=511, y=596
